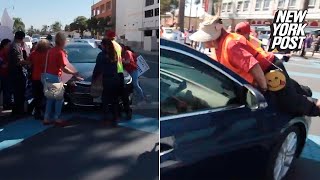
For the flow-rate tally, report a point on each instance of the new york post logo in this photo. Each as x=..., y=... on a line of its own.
x=287, y=30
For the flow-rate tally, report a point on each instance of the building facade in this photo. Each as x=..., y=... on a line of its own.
x=261, y=12
x=103, y=9
x=137, y=19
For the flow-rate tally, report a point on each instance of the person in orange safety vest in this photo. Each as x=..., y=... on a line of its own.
x=239, y=55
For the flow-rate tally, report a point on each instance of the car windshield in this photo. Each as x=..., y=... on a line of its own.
x=36, y=36
x=82, y=54
x=27, y=39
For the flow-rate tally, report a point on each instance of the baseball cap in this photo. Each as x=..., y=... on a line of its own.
x=207, y=29
x=243, y=28
x=110, y=34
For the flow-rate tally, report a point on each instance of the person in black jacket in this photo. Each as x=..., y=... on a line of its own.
x=106, y=65
x=17, y=74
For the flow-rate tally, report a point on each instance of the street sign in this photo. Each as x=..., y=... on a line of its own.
x=142, y=65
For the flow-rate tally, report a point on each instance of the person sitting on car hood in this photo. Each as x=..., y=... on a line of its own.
x=232, y=50
x=266, y=58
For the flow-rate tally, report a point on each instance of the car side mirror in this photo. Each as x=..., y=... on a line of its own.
x=254, y=99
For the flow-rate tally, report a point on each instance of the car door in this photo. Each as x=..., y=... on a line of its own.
x=204, y=111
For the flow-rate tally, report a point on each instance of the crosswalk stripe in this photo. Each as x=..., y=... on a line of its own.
x=312, y=148
x=22, y=129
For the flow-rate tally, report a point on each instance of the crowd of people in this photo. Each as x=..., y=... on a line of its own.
x=243, y=54
x=44, y=66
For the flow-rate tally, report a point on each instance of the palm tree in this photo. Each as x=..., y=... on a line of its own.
x=56, y=26
x=44, y=29
x=18, y=25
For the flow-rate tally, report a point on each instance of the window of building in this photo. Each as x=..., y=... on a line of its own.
x=148, y=33
x=246, y=5
x=224, y=7
x=258, y=5
x=148, y=13
x=108, y=5
x=92, y=12
x=281, y=3
x=239, y=6
x=149, y=2
x=156, y=12
x=102, y=9
x=312, y=3
x=292, y=3
x=98, y=11
x=266, y=4
x=229, y=7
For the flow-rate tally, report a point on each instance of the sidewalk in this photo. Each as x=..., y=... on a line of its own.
x=309, y=55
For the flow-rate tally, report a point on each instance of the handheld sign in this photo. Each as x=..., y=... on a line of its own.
x=142, y=65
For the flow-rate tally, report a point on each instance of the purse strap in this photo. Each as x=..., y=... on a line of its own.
x=46, y=64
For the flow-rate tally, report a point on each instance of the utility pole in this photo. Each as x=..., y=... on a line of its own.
x=305, y=4
x=182, y=4
x=190, y=14
x=304, y=7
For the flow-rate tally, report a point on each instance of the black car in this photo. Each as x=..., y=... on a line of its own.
x=83, y=57
x=209, y=115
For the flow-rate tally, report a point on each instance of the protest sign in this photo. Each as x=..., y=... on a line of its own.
x=142, y=65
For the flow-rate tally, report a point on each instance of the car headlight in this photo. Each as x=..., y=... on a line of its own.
x=128, y=79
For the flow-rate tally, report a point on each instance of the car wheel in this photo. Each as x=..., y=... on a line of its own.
x=284, y=154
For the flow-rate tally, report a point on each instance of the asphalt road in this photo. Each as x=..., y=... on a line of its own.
x=85, y=150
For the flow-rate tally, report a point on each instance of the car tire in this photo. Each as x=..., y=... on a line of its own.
x=289, y=142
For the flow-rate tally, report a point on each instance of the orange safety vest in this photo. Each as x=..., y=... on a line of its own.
x=255, y=41
x=254, y=47
x=224, y=59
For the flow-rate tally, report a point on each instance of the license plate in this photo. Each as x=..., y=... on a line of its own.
x=97, y=100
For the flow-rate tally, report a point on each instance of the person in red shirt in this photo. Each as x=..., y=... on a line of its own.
x=4, y=81
x=56, y=64
x=231, y=50
x=37, y=59
x=130, y=65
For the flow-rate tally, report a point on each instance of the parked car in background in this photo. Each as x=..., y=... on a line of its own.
x=316, y=32
x=28, y=41
x=36, y=36
x=83, y=57
x=207, y=111
x=91, y=42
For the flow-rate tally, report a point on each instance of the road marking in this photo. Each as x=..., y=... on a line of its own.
x=316, y=94
x=300, y=74
x=313, y=65
x=312, y=148
x=22, y=129
x=15, y=132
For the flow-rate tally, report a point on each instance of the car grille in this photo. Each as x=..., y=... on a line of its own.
x=82, y=99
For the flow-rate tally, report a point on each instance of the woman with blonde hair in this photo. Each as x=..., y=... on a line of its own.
x=56, y=63
x=36, y=59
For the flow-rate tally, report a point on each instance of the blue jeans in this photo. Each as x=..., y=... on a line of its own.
x=53, y=106
x=136, y=85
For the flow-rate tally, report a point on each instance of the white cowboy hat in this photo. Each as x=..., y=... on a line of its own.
x=209, y=29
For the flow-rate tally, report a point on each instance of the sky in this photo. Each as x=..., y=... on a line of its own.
x=46, y=12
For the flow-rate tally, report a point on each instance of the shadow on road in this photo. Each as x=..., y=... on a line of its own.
x=305, y=169
x=82, y=151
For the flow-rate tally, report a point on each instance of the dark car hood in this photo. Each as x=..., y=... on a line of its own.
x=85, y=70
